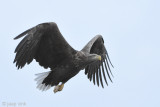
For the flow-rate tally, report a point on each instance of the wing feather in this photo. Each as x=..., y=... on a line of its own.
x=45, y=44
x=107, y=71
x=104, y=76
x=96, y=46
x=100, y=75
x=97, y=76
x=94, y=75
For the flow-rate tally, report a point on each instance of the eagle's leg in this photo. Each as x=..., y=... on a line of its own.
x=58, y=88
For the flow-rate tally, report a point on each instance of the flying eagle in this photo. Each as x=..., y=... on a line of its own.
x=47, y=46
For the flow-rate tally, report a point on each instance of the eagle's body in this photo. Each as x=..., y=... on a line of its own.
x=46, y=45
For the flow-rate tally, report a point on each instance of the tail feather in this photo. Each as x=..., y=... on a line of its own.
x=40, y=77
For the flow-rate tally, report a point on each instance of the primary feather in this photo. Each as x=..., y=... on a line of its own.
x=96, y=46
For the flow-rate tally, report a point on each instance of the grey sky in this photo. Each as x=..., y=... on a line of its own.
x=131, y=31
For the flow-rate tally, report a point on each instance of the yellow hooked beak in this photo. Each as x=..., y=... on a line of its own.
x=99, y=57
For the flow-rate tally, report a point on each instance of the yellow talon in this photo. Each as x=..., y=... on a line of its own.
x=61, y=87
x=58, y=88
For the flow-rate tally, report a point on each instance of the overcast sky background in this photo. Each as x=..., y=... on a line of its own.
x=131, y=31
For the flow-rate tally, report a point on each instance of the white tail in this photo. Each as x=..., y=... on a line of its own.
x=40, y=77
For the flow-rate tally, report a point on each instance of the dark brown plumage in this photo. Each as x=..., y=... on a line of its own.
x=46, y=45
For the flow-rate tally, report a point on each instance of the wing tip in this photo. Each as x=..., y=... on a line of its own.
x=19, y=36
x=22, y=34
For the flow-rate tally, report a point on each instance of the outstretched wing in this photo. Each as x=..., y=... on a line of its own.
x=45, y=44
x=97, y=70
